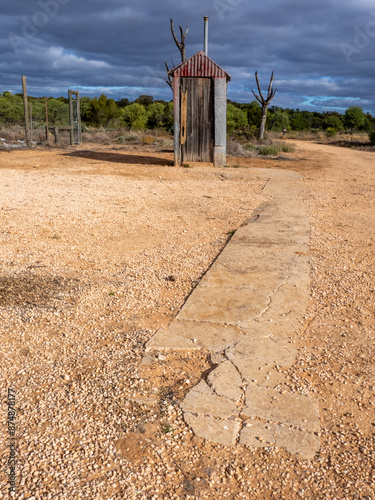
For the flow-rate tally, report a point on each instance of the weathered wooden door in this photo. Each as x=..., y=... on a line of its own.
x=197, y=119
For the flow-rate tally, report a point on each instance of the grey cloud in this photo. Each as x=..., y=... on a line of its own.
x=315, y=48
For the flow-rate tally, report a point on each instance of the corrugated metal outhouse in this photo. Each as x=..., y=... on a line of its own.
x=200, y=110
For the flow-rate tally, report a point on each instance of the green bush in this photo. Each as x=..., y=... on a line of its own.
x=279, y=121
x=135, y=116
x=287, y=149
x=271, y=150
x=372, y=138
x=354, y=118
x=330, y=132
x=236, y=118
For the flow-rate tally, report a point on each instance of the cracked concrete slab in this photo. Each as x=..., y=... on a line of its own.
x=247, y=312
x=226, y=381
x=286, y=408
x=258, y=434
x=212, y=336
x=226, y=305
x=164, y=339
x=259, y=360
x=218, y=431
x=201, y=400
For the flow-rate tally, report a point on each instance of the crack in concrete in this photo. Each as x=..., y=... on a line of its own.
x=235, y=418
x=274, y=422
x=274, y=292
x=241, y=387
x=270, y=300
x=223, y=325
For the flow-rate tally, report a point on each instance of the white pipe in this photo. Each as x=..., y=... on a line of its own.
x=206, y=35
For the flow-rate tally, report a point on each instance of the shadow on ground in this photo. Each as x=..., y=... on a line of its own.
x=121, y=158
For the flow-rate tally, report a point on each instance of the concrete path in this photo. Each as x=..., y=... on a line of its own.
x=248, y=311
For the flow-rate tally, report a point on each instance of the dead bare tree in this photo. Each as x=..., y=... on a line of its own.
x=264, y=103
x=180, y=46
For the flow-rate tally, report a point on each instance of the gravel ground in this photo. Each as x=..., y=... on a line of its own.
x=98, y=250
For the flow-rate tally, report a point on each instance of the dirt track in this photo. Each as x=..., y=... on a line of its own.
x=100, y=249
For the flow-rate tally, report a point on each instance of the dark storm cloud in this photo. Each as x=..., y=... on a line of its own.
x=322, y=52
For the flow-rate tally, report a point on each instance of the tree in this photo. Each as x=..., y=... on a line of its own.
x=236, y=118
x=354, y=118
x=135, y=116
x=155, y=115
x=279, y=120
x=11, y=109
x=181, y=47
x=101, y=111
x=299, y=121
x=145, y=100
x=264, y=103
x=254, y=113
x=333, y=121
x=58, y=112
x=168, y=121
x=123, y=102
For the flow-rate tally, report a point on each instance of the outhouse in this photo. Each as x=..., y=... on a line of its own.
x=200, y=111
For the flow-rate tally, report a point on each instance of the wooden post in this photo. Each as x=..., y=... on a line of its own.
x=26, y=111
x=47, y=131
x=79, y=125
x=71, y=117
x=31, y=121
x=75, y=102
x=176, y=111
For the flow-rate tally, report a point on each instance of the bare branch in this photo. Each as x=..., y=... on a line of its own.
x=270, y=94
x=180, y=44
x=256, y=97
x=170, y=79
x=264, y=102
x=181, y=48
x=259, y=90
x=174, y=34
x=270, y=85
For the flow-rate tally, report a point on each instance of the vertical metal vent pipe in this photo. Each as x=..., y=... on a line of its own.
x=206, y=35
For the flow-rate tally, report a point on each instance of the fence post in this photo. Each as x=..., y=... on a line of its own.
x=31, y=121
x=47, y=131
x=26, y=110
x=71, y=117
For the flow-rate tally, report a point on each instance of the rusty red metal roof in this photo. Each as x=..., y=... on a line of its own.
x=199, y=65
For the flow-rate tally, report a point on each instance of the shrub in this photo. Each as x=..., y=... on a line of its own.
x=279, y=121
x=354, y=118
x=372, y=138
x=330, y=132
x=236, y=118
x=271, y=150
x=135, y=116
x=235, y=149
x=287, y=149
x=148, y=139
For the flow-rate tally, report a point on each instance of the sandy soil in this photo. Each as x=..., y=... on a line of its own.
x=98, y=250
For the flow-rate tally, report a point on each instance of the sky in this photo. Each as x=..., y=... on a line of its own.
x=322, y=52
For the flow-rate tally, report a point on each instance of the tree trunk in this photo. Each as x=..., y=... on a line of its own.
x=263, y=119
x=264, y=103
